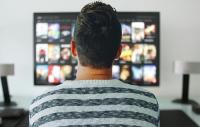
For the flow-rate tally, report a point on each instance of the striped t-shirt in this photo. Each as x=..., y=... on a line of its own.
x=95, y=103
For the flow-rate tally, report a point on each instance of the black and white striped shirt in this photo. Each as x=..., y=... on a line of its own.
x=95, y=103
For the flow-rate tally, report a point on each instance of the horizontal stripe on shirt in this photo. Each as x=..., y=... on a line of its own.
x=94, y=102
x=94, y=121
x=94, y=114
x=93, y=108
x=94, y=90
x=96, y=96
x=101, y=125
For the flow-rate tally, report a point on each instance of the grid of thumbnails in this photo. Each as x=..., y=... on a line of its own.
x=138, y=63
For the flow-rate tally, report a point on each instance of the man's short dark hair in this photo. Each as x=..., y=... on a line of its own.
x=97, y=35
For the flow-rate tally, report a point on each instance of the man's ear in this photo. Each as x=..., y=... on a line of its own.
x=73, y=48
x=119, y=52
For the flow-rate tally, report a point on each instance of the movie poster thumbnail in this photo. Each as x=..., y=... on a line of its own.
x=137, y=31
x=126, y=54
x=137, y=74
x=126, y=32
x=150, y=32
x=41, y=31
x=137, y=53
x=150, y=53
x=65, y=54
x=73, y=29
x=54, y=76
x=126, y=73
x=115, y=71
x=42, y=74
x=53, y=32
x=65, y=32
x=53, y=53
x=42, y=53
x=75, y=71
x=150, y=74
x=66, y=73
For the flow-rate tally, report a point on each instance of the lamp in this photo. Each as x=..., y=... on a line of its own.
x=186, y=68
x=6, y=70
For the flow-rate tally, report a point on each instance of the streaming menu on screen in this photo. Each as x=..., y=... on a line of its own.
x=138, y=63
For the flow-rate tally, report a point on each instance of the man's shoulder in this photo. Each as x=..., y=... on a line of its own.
x=137, y=89
x=46, y=93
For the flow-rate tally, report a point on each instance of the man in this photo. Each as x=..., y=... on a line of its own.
x=94, y=99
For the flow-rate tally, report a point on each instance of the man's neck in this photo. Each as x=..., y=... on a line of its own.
x=89, y=73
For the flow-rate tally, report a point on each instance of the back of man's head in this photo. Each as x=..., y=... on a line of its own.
x=97, y=35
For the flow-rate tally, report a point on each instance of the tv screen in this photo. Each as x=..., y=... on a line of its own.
x=138, y=63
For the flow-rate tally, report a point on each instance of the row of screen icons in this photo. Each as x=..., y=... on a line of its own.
x=63, y=32
x=61, y=53
x=54, y=53
x=56, y=74
x=135, y=74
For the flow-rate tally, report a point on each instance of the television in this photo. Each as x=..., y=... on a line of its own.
x=138, y=63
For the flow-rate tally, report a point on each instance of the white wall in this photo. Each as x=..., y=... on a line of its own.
x=180, y=23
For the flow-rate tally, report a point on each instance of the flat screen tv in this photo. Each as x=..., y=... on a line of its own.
x=138, y=63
